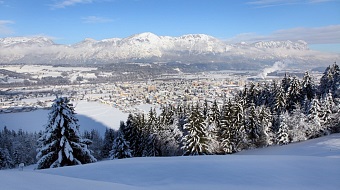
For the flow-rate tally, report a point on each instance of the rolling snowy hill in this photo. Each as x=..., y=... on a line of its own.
x=313, y=164
x=191, y=48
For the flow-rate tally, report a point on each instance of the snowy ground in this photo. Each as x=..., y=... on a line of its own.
x=91, y=115
x=313, y=164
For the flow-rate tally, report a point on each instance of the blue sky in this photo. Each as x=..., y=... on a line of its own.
x=71, y=21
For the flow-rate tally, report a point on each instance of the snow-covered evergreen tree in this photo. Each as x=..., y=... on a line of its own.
x=266, y=134
x=240, y=135
x=252, y=126
x=196, y=142
x=213, y=126
x=61, y=144
x=234, y=137
x=6, y=161
x=228, y=129
x=280, y=100
x=131, y=134
x=314, y=120
x=109, y=137
x=18, y=147
x=297, y=125
x=308, y=88
x=147, y=128
x=215, y=116
x=271, y=96
x=120, y=148
x=285, y=83
x=97, y=143
x=327, y=107
x=140, y=136
x=258, y=126
x=264, y=97
x=282, y=135
x=252, y=95
x=293, y=94
x=330, y=81
x=168, y=134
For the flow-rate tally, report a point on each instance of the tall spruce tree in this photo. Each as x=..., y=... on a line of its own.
x=280, y=101
x=6, y=161
x=97, y=143
x=214, y=127
x=314, y=120
x=285, y=83
x=109, y=137
x=61, y=144
x=131, y=134
x=168, y=134
x=228, y=128
x=196, y=142
x=149, y=135
x=266, y=134
x=308, y=87
x=234, y=137
x=282, y=135
x=330, y=81
x=293, y=94
x=297, y=124
x=253, y=127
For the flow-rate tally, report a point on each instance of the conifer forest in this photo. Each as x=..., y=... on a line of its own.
x=262, y=114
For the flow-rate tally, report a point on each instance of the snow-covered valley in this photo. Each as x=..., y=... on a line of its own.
x=313, y=164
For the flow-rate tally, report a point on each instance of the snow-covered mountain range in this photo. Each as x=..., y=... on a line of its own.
x=191, y=48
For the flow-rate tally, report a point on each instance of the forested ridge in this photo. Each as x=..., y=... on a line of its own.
x=263, y=114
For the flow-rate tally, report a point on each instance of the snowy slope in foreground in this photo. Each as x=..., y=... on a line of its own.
x=314, y=164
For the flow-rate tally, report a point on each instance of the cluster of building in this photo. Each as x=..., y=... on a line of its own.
x=126, y=95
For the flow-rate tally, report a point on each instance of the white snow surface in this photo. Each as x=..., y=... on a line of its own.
x=91, y=115
x=313, y=164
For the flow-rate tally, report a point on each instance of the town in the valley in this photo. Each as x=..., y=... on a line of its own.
x=29, y=87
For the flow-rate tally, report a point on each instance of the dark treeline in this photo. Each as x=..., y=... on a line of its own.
x=17, y=147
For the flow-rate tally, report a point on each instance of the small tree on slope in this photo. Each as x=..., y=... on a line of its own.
x=120, y=148
x=282, y=135
x=61, y=143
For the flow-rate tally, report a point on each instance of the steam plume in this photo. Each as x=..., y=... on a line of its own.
x=278, y=65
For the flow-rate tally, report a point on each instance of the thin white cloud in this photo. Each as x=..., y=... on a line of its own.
x=4, y=28
x=318, y=35
x=96, y=19
x=66, y=3
x=271, y=3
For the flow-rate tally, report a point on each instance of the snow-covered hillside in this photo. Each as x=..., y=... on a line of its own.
x=91, y=115
x=313, y=164
x=148, y=46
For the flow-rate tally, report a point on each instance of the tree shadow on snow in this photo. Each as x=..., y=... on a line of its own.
x=87, y=123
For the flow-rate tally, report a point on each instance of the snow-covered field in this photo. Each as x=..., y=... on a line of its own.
x=91, y=115
x=313, y=164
